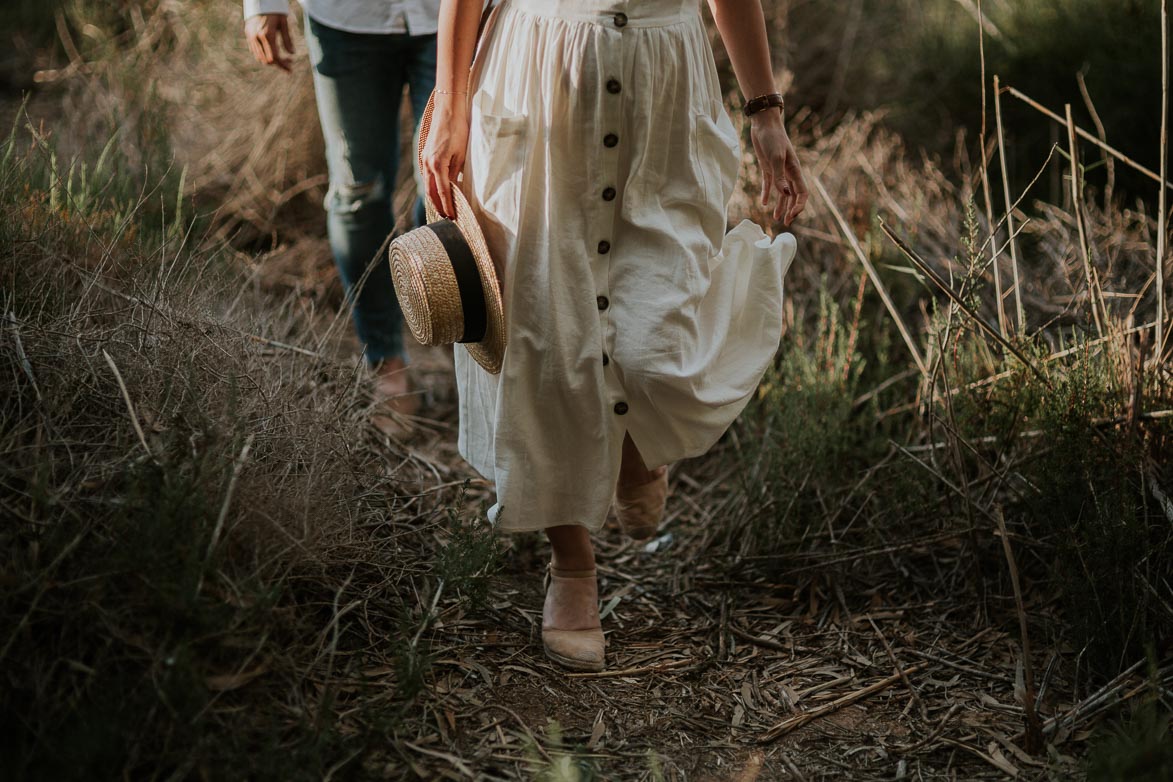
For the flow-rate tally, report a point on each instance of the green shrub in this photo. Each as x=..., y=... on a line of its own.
x=816, y=462
x=470, y=556
x=920, y=63
x=1138, y=749
x=1093, y=503
x=1043, y=45
x=804, y=435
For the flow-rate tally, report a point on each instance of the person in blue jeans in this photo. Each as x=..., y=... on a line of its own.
x=363, y=53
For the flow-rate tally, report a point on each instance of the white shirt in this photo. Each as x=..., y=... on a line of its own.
x=418, y=17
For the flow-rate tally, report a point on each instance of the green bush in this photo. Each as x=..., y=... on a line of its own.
x=1042, y=47
x=805, y=440
x=1138, y=749
x=920, y=63
x=1094, y=505
x=1082, y=488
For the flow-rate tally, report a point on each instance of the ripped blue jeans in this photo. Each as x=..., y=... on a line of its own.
x=358, y=81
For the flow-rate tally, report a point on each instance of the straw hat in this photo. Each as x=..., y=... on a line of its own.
x=445, y=280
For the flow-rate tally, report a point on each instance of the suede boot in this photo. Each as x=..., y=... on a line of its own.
x=579, y=646
x=641, y=508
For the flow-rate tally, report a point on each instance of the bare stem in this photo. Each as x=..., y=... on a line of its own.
x=985, y=169
x=1083, y=134
x=1034, y=733
x=1077, y=208
x=1019, y=312
x=873, y=276
x=138, y=430
x=1162, y=205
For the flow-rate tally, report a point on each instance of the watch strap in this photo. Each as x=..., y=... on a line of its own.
x=762, y=102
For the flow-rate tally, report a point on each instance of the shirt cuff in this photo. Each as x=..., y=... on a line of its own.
x=256, y=7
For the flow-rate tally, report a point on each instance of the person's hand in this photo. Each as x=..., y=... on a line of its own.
x=447, y=144
x=266, y=33
x=779, y=164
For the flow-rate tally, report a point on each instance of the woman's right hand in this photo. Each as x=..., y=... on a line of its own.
x=444, y=152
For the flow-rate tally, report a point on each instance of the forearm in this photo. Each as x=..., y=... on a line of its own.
x=455, y=42
x=742, y=26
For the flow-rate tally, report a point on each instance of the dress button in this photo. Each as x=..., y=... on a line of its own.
x=606, y=359
x=603, y=303
x=620, y=408
x=613, y=86
x=608, y=194
x=604, y=247
x=620, y=19
x=610, y=140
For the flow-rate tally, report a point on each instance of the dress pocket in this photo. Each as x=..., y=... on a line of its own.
x=497, y=151
x=718, y=154
x=717, y=158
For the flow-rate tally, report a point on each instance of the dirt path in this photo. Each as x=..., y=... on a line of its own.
x=716, y=672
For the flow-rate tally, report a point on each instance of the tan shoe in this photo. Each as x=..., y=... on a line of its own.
x=393, y=424
x=395, y=401
x=641, y=508
x=579, y=646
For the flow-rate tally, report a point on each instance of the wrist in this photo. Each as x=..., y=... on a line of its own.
x=265, y=7
x=768, y=118
x=449, y=103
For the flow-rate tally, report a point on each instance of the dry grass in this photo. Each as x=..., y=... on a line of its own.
x=211, y=568
x=193, y=500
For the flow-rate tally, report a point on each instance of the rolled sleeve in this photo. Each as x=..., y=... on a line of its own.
x=257, y=7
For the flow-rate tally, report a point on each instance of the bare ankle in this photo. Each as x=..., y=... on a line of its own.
x=633, y=471
x=570, y=547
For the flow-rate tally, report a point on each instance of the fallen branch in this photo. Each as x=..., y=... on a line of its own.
x=794, y=723
x=631, y=671
x=765, y=643
x=1104, y=698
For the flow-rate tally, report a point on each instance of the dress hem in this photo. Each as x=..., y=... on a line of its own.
x=519, y=530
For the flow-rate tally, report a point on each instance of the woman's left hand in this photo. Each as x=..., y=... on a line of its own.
x=779, y=165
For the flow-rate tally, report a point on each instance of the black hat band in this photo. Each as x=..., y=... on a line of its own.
x=468, y=279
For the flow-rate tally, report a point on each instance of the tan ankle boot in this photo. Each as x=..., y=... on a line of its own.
x=579, y=647
x=641, y=508
x=395, y=403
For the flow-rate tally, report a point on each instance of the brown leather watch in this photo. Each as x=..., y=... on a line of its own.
x=762, y=102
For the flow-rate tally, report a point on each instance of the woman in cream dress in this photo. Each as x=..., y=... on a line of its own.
x=591, y=139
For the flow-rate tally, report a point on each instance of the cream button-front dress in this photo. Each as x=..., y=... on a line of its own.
x=600, y=164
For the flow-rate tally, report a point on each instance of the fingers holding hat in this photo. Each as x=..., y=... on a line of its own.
x=437, y=173
x=444, y=151
x=443, y=173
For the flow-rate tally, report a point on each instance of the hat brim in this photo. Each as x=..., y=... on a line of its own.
x=489, y=352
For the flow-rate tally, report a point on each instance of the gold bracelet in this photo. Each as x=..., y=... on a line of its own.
x=452, y=92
